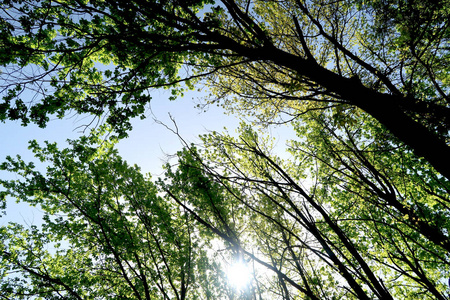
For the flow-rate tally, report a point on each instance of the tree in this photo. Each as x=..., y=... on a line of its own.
x=370, y=225
x=358, y=211
x=388, y=60
x=107, y=234
x=360, y=231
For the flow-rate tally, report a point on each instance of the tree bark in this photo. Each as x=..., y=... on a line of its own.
x=387, y=109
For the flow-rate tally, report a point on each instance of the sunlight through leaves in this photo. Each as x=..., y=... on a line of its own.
x=239, y=274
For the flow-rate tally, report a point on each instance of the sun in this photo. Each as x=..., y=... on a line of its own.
x=239, y=274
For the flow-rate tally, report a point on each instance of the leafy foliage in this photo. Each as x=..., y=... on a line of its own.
x=358, y=209
x=104, y=57
x=372, y=224
x=106, y=232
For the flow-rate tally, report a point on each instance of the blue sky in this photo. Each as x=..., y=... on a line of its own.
x=147, y=144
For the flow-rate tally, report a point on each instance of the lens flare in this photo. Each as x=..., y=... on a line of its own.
x=239, y=274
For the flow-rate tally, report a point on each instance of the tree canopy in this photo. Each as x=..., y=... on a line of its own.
x=388, y=59
x=358, y=210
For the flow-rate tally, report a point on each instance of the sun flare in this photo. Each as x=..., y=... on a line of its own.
x=239, y=274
